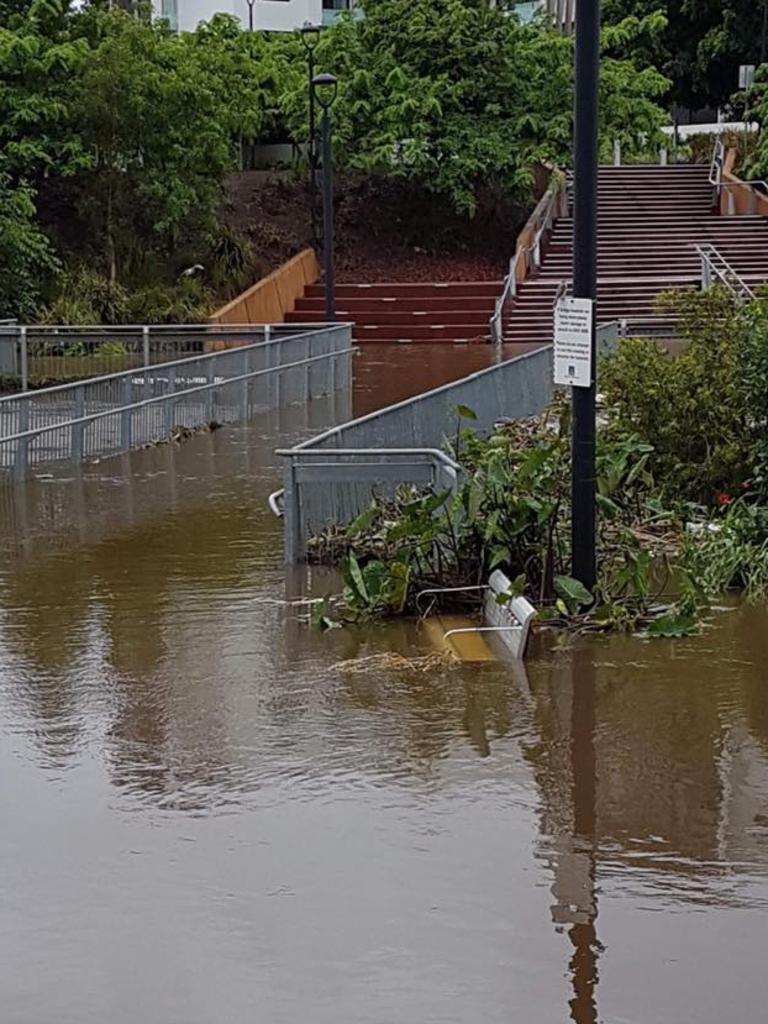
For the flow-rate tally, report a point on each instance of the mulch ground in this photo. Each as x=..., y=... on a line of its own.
x=383, y=232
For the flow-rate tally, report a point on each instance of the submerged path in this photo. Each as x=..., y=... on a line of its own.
x=211, y=813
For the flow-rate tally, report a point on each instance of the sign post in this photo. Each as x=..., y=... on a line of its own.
x=585, y=163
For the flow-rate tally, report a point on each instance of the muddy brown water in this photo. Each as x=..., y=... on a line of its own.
x=212, y=814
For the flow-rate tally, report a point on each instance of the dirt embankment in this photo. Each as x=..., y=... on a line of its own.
x=384, y=231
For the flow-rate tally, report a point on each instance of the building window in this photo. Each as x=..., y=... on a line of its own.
x=169, y=9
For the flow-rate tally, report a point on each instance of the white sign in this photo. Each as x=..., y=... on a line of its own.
x=746, y=76
x=573, y=342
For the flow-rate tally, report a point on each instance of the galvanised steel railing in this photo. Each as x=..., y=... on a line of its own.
x=715, y=269
x=110, y=414
x=40, y=354
x=527, y=258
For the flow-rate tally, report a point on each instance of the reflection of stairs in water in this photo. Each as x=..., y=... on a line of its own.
x=649, y=219
x=445, y=312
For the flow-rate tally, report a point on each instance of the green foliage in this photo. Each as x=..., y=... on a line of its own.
x=84, y=296
x=26, y=257
x=756, y=164
x=232, y=258
x=574, y=594
x=376, y=588
x=697, y=44
x=511, y=512
x=704, y=412
x=461, y=98
x=131, y=128
x=731, y=551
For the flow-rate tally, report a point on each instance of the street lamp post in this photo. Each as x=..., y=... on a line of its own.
x=583, y=494
x=310, y=37
x=325, y=87
x=250, y=14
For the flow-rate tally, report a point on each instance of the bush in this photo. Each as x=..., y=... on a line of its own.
x=704, y=412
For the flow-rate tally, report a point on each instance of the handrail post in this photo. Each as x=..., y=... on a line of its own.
x=24, y=356
x=246, y=384
x=22, y=445
x=126, y=414
x=78, y=429
x=169, y=403
x=145, y=344
x=706, y=276
x=617, y=153
x=210, y=394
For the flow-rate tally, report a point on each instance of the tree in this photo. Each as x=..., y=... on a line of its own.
x=701, y=46
x=26, y=257
x=459, y=96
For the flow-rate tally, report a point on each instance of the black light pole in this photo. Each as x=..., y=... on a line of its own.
x=310, y=37
x=325, y=87
x=583, y=528
x=764, y=33
x=250, y=14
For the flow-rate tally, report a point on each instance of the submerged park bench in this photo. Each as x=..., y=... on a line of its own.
x=509, y=620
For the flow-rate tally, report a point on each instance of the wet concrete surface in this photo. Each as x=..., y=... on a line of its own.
x=211, y=813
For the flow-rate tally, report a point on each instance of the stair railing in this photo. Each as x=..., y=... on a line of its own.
x=716, y=169
x=724, y=181
x=715, y=269
x=530, y=243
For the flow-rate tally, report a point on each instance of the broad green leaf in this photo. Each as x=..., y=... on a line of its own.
x=363, y=522
x=465, y=412
x=673, y=626
x=574, y=593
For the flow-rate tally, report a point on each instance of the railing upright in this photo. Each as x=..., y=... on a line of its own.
x=24, y=358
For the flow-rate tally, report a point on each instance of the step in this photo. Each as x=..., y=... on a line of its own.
x=409, y=291
x=406, y=319
x=377, y=332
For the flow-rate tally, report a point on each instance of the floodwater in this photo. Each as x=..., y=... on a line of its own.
x=212, y=814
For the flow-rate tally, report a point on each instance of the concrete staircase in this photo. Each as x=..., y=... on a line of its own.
x=447, y=312
x=649, y=219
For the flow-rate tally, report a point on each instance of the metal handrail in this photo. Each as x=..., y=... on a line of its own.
x=716, y=168
x=205, y=327
x=541, y=219
x=715, y=266
x=510, y=289
x=156, y=399
x=274, y=502
x=561, y=291
x=716, y=164
x=433, y=453
x=123, y=374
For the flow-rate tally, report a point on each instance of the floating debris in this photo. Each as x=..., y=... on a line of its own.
x=391, y=661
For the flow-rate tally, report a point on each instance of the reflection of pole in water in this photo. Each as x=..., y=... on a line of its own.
x=574, y=885
x=583, y=934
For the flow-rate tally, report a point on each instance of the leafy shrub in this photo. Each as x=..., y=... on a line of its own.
x=512, y=512
x=704, y=412
x=84, y=296
x=233, y=261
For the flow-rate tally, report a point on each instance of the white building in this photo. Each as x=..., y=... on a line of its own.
x=266, y=15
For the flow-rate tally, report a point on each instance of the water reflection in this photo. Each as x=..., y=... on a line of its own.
x=320, y=825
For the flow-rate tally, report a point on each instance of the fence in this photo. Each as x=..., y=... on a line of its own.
x=36, y=355
x=110, y=414
x=329, y=479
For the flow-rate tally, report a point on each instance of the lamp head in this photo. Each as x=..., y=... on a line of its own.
x=325, y=87
x=310, y=35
